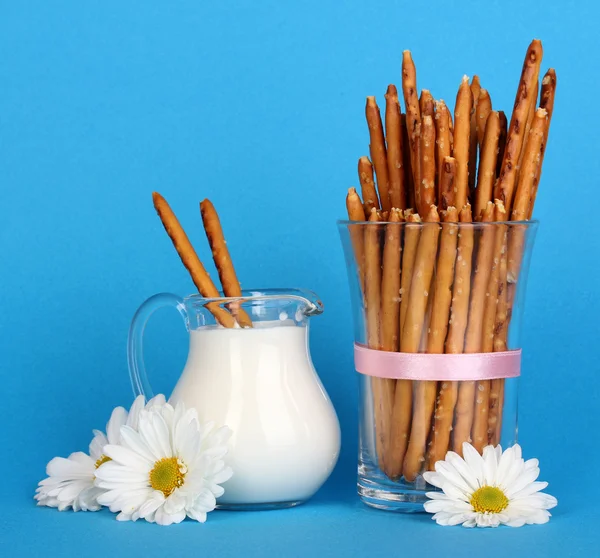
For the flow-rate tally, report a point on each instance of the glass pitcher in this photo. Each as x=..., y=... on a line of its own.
x=259, y=381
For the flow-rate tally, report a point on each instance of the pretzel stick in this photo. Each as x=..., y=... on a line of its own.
x=356, y=212
x=408, y=174
x=222, y=259
x=411, y=341
x=547, y=103
x=482, y=111
x=466, y=390
x=462, y=127
x=442, y=143
x=473, y=147
x=393, y=136
x=501, y=142
x=382, y=404
x=378, y=152
x=482, y=393
x=367, y=185
x=427, y=173
x=402, y=406
x=425, y=391
x=457, y=324
x=514, y=142
x=530, y=113
x=426, y=104
x=487, y=164
x=447, y=191
x=413, y=117
x=390, y=284
x=190, y=259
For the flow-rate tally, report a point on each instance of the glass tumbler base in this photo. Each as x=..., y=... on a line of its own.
x=259, y=506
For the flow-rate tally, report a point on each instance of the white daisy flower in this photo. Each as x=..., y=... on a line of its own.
x=490, y=490
x=70, y=482
x=169, y=469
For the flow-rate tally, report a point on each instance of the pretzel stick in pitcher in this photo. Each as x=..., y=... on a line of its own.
x=222, y=259
x=487, y=164
x=425, y=391
x=367, y=185
x=393, y=135
x=190, y=259
x=514, y=142
x=426, y=104
x=462, y=131
x=381, y=397
x=473, y=147
x=408, y=174
x=413, y=117
x=479, y=433
x=447, y=192
x=412, y=334
x=442, y=144
x=402, y=406
x=356, y=212
x=482, y=111
x=378, y=152
x=466, y=390
x=427, y=173
x=455, y=340
x=530, y=113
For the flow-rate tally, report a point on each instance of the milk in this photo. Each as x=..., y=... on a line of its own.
x=261, y=383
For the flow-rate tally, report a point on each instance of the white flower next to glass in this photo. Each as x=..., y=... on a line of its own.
x=169, y=469
x=496, y=489
x=70, y=482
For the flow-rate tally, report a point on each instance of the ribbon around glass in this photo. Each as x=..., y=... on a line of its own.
x=437, y=367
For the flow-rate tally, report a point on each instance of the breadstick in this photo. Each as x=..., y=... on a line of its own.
x=413, y=116
x=547, y=103
x=466, y=390
x=426, y=104
x=447, y=191
x=408, y=174
x=393, y=136
x=402, y=406
x=457, y=324
x=462, y=127
x=442, y=143
x=482, y=111
x=427, y=173
x=222, y=259
x=501, y=142
x=190, y=259
x=367, y=185
x=378, y=152
x=411, y=340
x=356, y=212
x=390, y=284
x=473, y=147
x=482, y=393
x=514, y=142
x=381, y=400
x=487, y=164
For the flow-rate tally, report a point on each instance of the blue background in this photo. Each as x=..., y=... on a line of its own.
x=259, y=106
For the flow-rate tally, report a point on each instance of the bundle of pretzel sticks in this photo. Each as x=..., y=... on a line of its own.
x=430, y=281
x=233, y=315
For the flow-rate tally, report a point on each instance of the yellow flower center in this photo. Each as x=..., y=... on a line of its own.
x=489, y=499
x=167, y=475
x=103, y=459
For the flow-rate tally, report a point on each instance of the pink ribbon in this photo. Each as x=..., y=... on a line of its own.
x=446, y=367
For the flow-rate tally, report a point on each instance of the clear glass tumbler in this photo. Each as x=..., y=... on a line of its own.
x=437, y=310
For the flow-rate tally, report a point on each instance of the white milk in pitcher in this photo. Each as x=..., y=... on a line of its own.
x=261, y=383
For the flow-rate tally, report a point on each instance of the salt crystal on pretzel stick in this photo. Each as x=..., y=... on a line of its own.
x=457, y=324
x=466, y=390
x=462, y=134
x=367, y=185
x=473, y=147
x=393, y=136
x=413, y=116
x=378, y=152
x=427, y=164
x=505, y=185
x=487, y=164
x=443, y=147
x=222, y=259
x=190, y=259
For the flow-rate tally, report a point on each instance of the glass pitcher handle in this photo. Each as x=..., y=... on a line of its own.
x=135, y=353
